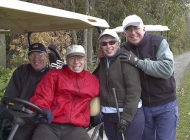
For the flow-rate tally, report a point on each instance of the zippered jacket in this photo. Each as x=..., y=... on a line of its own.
x=126, y=81
x=156, y=70
x=23, y=82
x=67, y=95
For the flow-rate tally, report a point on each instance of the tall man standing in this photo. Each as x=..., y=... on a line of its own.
x=152, y=55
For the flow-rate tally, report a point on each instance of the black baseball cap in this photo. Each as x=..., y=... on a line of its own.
x=36, y=47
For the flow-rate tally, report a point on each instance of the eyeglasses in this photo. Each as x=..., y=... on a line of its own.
x=106, y=43
x=131, y=29
x=74, y=58
x=33, y=55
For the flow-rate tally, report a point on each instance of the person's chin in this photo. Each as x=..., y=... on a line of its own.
x=77, y=70
x=110, y=54
x=135, y=42
x=37, y=67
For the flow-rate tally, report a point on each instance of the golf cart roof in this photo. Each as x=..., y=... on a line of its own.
x=23, y=17
x=147, y=27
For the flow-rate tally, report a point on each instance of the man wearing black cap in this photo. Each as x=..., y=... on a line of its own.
x=152, y=55
x=24, y=81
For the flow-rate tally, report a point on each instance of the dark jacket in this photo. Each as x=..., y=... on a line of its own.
x=21, y=85
x=125, y=79
x=24, y=81
x=155, y=90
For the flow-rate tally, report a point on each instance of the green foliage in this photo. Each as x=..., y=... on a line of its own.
x=173, y=14
x=183, y=131
x=91, y=68
x=5, y=75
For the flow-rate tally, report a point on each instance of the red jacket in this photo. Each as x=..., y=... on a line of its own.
x=67, y=95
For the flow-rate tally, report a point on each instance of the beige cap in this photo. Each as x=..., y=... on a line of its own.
x=110, y=32
x=132, y=20
x=75, y=50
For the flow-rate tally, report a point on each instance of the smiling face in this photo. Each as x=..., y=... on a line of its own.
x=134, y=34
x=109, y=45
x=38, y=59
x=76, y=63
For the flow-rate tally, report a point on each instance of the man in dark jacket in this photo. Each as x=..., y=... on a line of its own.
x=152, y=55
x=23, y=84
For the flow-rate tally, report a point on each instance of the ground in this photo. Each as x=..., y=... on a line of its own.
x=181, y=66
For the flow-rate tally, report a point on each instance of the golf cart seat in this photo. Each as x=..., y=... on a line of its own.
x=23, y=115
x=96, y=127
x=55, y=58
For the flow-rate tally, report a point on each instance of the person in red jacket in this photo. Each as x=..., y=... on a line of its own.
x=65, y=95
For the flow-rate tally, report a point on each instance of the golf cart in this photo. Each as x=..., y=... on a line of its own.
x=19, y=17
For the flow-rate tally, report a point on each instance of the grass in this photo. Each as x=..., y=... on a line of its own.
x=183, y=95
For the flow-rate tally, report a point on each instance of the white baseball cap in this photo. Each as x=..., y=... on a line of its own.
x=110, y=32
x=132, y=20
x=75, y=50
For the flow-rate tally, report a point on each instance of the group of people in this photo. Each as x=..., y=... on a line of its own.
x=135, y=82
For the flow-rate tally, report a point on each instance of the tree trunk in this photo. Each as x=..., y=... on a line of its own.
x=73, y=32
x=2, y=51
x=90, y=33
x=86, y=34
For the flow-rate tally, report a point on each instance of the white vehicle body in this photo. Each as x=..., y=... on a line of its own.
x=24, y=17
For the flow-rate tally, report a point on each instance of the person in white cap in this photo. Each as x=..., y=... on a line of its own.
x=22, y=85
x=128, y=118
x=152, y=55
x=65, y=95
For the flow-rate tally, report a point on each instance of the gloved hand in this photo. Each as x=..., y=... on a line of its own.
x=129, y=57
x=49, y=118
x=122, y=125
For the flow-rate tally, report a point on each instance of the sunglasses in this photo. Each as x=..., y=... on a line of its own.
x=106, y=43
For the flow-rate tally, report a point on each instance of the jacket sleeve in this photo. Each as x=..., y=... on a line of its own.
x=133, y=91
x=44, y=93
x=96, y=87
x=163, y=67
x=14, y=87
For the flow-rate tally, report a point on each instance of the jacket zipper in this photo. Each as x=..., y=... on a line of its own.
x=149, y=100
x=107, y=78
x=75, y=97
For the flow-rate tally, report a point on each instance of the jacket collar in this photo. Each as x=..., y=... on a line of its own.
x=74, y=74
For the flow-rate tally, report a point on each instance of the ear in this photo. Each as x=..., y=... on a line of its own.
x=85, y=60
x=144, y=29
x=46, y=55
x=124, y=33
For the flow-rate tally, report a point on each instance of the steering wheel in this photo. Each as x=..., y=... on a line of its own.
x=23, y=111
x=22, y=108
